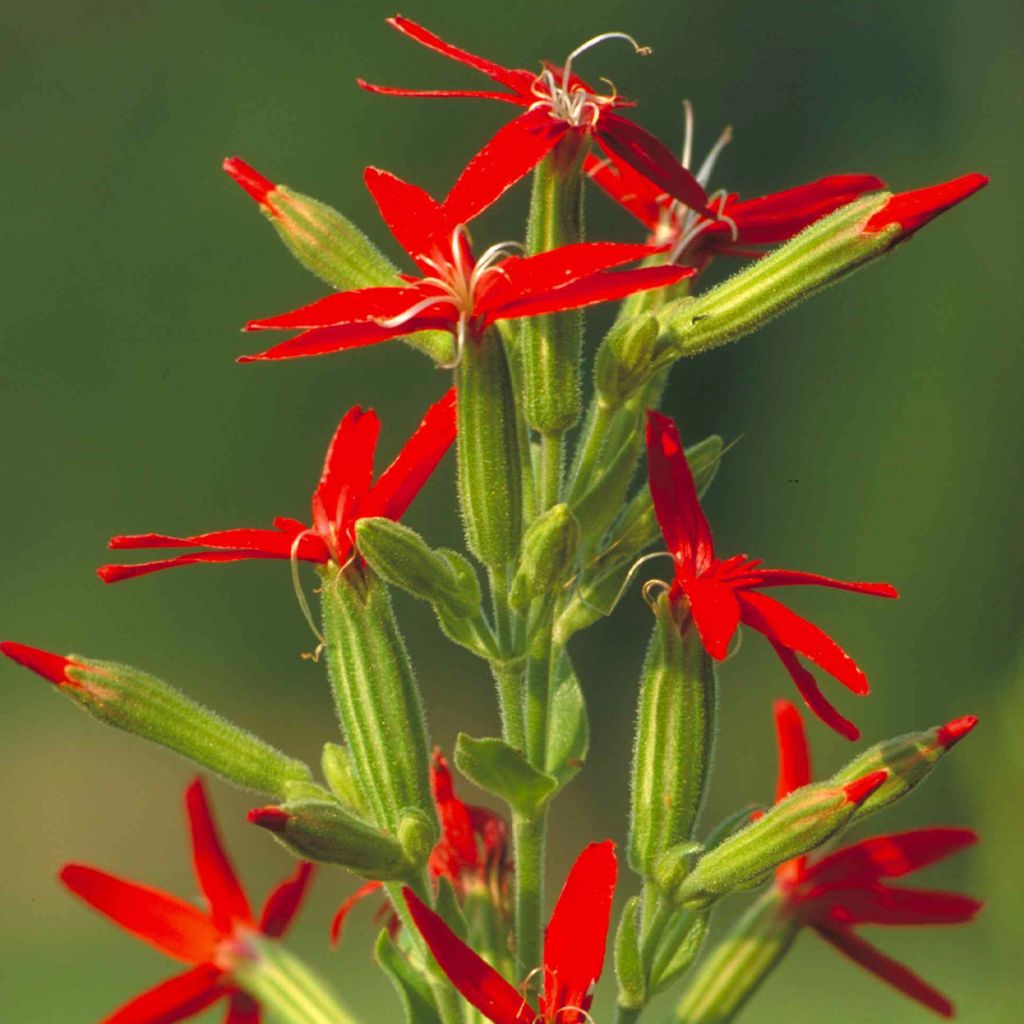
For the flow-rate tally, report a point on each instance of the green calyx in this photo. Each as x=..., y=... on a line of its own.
x=547, y=557
x=625, y=361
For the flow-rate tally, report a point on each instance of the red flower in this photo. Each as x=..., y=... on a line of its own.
x=558, y=105
x=847, y=888
x=344, y=495
x=720, y=594
x=574, y=946
x=472, y=851
x=458, y=292
x=213, y=943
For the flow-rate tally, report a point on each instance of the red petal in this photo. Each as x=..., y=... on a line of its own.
x=271, y=542
x=179, y=997
x=338, y=921
x=50, y=666
x=626, y=141
x=574, y=942
x=513, y=152
x=912, y=210
x=480, y=984
x=676, y=505
x=251, y=180
x=171, y=925
x=794, y=756
x=716, y=613
x=630, y=189
x=396, y=487
x=116, y=573
x=895, y=974
x=419, y=223
x=346, y=476
x=324, y=340
x=458, y=841
x=812, y=695
x=883, y=905
x=243, y=1009
x=953, y=732
x=360, y=306
x=604, y=287
x=788, y=629
x=216, y=874
x=284, y=901
x=795, y=578
x=890, y=856
x=435, y=94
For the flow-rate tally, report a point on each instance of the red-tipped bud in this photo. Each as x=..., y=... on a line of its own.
x=952, y=732
x=50, y=666
x=251, y=180
x=271, y=818
x=860, y=789
x=912, y=210
x=440, y=778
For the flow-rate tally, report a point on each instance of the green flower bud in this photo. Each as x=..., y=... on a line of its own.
x=624, y=362
x=629, y=967
x=417, y=835
x=547, y=557
x=338, y=771
x=678, y=947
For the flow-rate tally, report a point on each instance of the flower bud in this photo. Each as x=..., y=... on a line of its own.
x=141, y=704
x=909, y=759
x=624, y=361
x=417, y=835
x=336, y=765
x=629, y=968
x=547, y=557
x=790, y=829
x=678, y=947
x=322, y=830
x=403, y=558
x=603, y=500
x=820, y=255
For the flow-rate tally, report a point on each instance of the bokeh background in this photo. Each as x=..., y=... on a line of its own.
x=880, y=429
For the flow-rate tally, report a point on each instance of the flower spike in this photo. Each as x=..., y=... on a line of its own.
x=720, y=594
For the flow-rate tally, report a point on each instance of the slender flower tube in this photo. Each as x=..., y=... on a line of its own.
x=720, y=594
x=345, y=494
x=559, y=106
x=220, y=945
x=574, y=948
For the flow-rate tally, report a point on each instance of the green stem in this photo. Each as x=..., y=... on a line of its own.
x=623, y=1015
x=599, y=419
x=529, y=837
x=539, y=671
x=508, y=678
x=551, y=453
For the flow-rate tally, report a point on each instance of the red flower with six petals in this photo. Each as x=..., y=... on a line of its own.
x=558, y=105
x=720, y=594
x=211, y=942
x=574, y=946
x=458, y=292
x=346, y=493
x=836, y=893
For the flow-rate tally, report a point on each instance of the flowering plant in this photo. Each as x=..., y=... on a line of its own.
x=544, y=490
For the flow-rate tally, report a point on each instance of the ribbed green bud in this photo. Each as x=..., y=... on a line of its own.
x=551, y=345
x=674, y=740
x=139, y=703
x=547, y=557
x=825, y=252
x=629, y=968
x=322, y=830
x=336, y=765
x=417, y=835
x=678, y=947
x=489, y=469
x=798, y=824
x=606, y=495
x=625, y=359
x=376, y=695
x=909, y=760
x=403, y=558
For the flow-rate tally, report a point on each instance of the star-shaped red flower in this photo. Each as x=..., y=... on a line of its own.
x=346, y=493
x=457, y=291
x=574, y=946
x=836, y=893
x=720, y=594
x=559, y=104
x=211, y=942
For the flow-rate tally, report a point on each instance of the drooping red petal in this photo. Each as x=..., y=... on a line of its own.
x=514, y=150
x=243, y=1009
x=275, y=543
x=420, y=224
x=179, y=997
x=812, y=695
x=396, y=487
x=171, y=925
x=890, y=856
x=117, y=573
x=630, y=189
x=50, y=666
x=323, y=340
x=795, y=578
x=284, y=901
x=607, y=286
x=794, y=755
x=676, y=505
x=338, y=921
x=783, y=625
x=346, y=476
x=359, y=306
x=912, y=210
x=480, y=984
x=625, y=141
x=716, y=612
x=889, y=906
x=214, y=870
x=438, y=94
x=889, y=970
x=574, y=942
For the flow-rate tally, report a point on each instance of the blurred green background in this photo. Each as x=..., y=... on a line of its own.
x=880, y=424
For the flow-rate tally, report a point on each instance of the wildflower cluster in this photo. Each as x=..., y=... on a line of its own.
x=555, y=532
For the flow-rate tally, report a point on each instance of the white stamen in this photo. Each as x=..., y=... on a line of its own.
x=704, y=174
x=687, y=133
x=300, y=595
x=641, y=51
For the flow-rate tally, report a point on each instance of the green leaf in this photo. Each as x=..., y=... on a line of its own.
x=412, y=987
x=502, y=770
x=568, y=728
